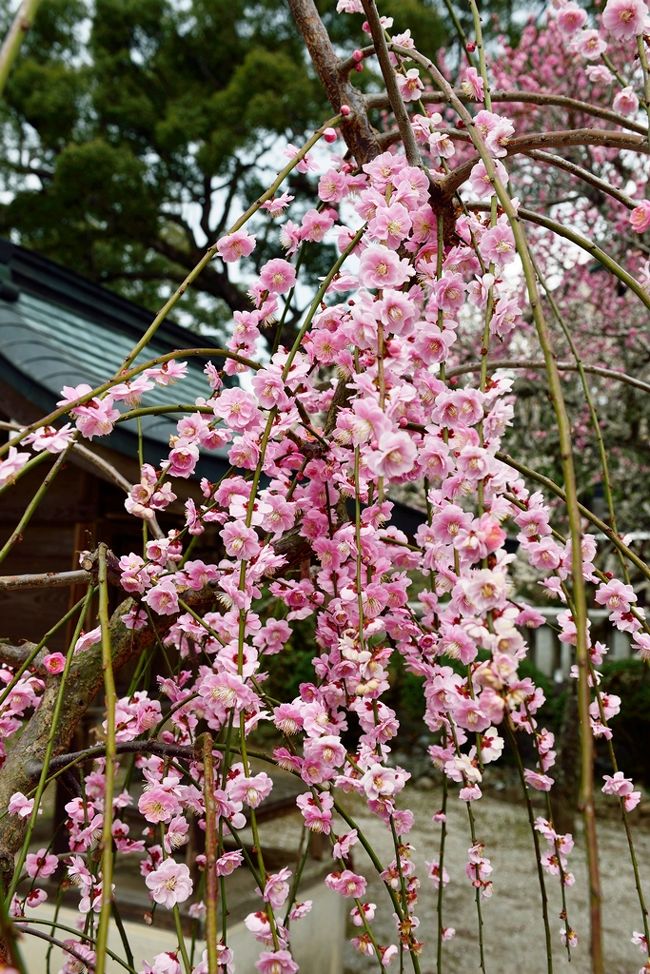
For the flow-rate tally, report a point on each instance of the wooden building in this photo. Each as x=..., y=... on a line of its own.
x=58, y=329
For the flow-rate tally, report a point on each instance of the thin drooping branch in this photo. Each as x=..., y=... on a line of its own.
x=579, y=240
x=559, y=162
x=493, y=364
x=571, y=494
x=390, y=80
x=22, y=22
x=359, y=135
x=555, y=489
x=523, y=97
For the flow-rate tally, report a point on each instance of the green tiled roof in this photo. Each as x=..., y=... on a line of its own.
x=57, y=329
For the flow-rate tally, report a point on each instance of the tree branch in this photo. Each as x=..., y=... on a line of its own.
x=514, y=97
x=493, y=364
x=392, y=88
x=359, y=135
x=542, y=140
x=13, y=583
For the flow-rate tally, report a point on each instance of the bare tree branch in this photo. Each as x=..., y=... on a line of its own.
x=13, y=583
x=359, y=135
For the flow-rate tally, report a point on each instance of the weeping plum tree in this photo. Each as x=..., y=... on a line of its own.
x=468, y=212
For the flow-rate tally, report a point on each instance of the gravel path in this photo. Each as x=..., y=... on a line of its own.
x=514, y=935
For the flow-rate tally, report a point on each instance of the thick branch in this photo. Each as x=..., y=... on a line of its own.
x=13, y=583
x=85, y=680
x=359, y=135
x=15, y=656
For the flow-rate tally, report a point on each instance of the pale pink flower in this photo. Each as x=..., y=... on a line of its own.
x=615, y=596
x=590, y=44
x=12, y=465
x=367, y=912
x=177, y=833
x=238, y=409
x=250, y=790
x=20, y=805
x=598, y=74
x=410, y=85
x=625, y=18
x=240, y=542
x=54, y=663
x=498, y=245
x=277, y=276
x=235, y=245
x=395, y=455
x=390, y=223
x=158, y=804
x=276, y=962
x=88, y=639
x=316, y=814
x=315, y=224
x=485, y=589
x=228, y=862
x=480, y=181
x=639, y=218
x=322, y=755
x=346, y=883
x=168, y=373
x=51, y=439
x=70, y=394
x=381, y=267
x=571, y=18
x=96, y=418
x=496, y=131
x=40, y=863
x=540, y=782
x=332, y=186
x=163, y=598
x=435, y=874
x=166, y=963
x=276, y=888
x=170, y=883
x=442, y=145
x=459, y=409
x=342, y=846
x=381, y=782
x=626, y=101
x=278, y=204
x=182, y=460
x=472, y=84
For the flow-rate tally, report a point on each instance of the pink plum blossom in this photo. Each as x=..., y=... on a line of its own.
x=395, y=455
x=235, y=245
x=170, y=883
x=625, y=18
x=640, y=217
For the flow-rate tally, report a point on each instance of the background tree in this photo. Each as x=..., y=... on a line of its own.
x=130, y=132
